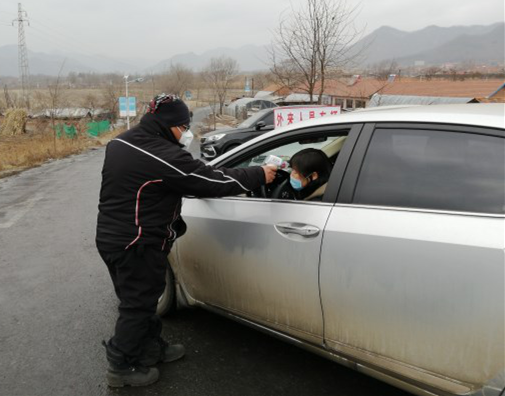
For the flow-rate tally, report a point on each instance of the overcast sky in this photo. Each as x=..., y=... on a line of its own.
x=158, y=29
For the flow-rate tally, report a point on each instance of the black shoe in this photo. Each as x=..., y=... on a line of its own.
x=131, y=376
x=122, y=372
x=157, y=350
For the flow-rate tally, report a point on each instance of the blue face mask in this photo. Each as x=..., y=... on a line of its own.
x=295, y=183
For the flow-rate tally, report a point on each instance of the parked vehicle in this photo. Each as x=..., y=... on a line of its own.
x=215, y=143
x=407, y=284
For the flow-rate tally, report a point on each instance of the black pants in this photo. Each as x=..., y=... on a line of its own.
x=138, y=275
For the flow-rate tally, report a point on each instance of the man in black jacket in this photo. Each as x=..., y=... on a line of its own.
x=145, y=174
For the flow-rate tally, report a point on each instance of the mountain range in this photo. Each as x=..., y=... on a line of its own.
x=249, y=57
x=432, y=45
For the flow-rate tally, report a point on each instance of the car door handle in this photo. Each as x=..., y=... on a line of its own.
x=304, y=230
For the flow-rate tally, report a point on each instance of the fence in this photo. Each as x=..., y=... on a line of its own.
x=93, y=129
x=69, y=131
x=97, y=128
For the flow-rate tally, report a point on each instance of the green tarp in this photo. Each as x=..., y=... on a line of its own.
x=68, y=131
x=97, y=128
x=92, y=128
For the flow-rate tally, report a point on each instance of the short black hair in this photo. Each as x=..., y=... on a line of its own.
x=311, y=160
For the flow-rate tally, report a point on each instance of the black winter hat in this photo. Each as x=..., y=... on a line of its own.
x=168, y=110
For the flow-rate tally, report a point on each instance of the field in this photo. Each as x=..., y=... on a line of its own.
x=39, y=144
x=101, y=97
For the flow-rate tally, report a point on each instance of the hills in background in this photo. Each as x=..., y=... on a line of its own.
x=249, y=57
x=50, y=64
x=433, y=45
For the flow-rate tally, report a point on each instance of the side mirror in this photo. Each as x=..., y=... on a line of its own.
x=259, y=125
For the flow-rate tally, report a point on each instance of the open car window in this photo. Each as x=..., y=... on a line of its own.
x=330, y=144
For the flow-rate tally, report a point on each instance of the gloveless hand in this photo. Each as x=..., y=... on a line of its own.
x=270, y=171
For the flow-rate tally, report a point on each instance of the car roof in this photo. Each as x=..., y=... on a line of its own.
x=490, y=115
x=264, y=111
x=290, y=107
x=476, y=114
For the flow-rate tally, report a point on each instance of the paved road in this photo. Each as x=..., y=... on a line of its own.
x=57, y=304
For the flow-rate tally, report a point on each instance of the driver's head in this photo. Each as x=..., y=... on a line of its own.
x=307, y=166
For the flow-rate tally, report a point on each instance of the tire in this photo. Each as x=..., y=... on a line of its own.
x=167, y=302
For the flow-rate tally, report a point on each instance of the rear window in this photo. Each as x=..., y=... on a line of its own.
x=434, y=170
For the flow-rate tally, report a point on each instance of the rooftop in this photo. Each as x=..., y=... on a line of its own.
x=365, y=88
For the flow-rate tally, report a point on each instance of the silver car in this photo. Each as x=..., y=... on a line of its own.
x=398, y=272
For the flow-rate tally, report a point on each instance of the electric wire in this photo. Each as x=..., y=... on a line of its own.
x=43, y=37
x=8, y=12
x=53, y=39
x=54, y=32
x=62, y=39
x=69, y=42
x=56, y=37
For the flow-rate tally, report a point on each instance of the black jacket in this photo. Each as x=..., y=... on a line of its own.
x=311, y=188
x=145, y=175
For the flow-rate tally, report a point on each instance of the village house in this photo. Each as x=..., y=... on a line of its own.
x=359, y=93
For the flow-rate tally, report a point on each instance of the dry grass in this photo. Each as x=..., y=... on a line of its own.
x=29, y=150
x=14, y=122
x=75, y=97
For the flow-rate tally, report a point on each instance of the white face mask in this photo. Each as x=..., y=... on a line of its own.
x=186, y=138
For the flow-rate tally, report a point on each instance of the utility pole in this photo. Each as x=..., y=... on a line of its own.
x=126, y=82
x=127, y=103
x=24, y=72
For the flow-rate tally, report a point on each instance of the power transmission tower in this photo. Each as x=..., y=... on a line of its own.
x=24, y=72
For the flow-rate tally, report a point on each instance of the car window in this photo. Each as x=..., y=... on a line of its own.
x=252, y=120
x=330, y=144
x=432, y=169
x=286, y=151
x=269, y=119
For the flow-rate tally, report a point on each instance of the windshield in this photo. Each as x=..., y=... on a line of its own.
x=252, y=120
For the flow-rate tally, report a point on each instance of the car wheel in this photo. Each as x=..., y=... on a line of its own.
x=231, y=147
x=167, y=301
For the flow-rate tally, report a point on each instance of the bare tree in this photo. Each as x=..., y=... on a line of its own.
x=110, y=97
x=287, y=74
x=55, y=98
x=219, y=75
x=177, y=80
x=261, y=80
x=431, y=72
x=9, y=102
x=90, y=102
x=311, y=44
x=382, y=70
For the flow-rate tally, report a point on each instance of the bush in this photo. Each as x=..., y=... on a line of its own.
x=14, y=122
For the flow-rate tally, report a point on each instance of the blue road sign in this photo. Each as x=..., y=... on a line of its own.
x=132, y=101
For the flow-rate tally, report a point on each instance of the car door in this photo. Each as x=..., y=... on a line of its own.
x=412, y=265
x=259, y=258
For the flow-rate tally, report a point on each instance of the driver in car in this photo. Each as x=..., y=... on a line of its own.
x=310, y=172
